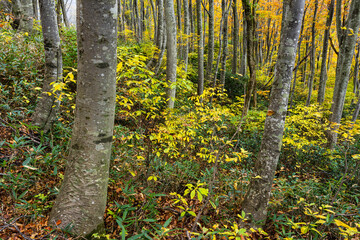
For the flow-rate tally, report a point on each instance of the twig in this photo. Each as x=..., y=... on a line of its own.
x=11, y=224
x=34, y=139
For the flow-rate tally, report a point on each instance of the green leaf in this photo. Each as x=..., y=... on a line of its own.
x=200, y=197
x=167, y=222
x=192, y=194
x=149, y=220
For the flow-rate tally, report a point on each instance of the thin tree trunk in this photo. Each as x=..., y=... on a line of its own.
x=312, y=58
x=343, y=66
x=224, y=44
x=210, y=59
x=155, y=20
x=192, y=28
x=243, y=63
x=235, y=39
x=81, y=202
x=187, y=32
x=171, y=54
x=36, y=9
x=356, y=71
x=323, y=71
x=249, y=10
x=47, y=105
x=64, y=13
x=200, y=36
x=292, y=90
x=257, y=197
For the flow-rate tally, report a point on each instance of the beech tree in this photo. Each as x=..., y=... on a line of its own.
x=258, y=194
x=45, y=111
x=249, y=12
x=171, y=51
x=82, y=198
x=347, y=38
x=24, y=15
x=323, y=71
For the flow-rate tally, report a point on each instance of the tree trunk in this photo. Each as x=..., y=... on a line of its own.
x=81, y=201
x=343, y=66
x=200, y=36
x=243, y=63
x=356, y=72
x=249, y=11
x=235, y=39
x=171, y=51
x=187, y=32
x=36, y=9
x=292, y=89
x=224, y=44
x=210, y=59
x=258, y=194
x=312, y=58
x=323, y=71
x=24, y=15
x=64, y=13
x=192, y=28
x=47, y=105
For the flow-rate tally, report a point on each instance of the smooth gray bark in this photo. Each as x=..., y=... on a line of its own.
x=257, y=197
x=171, y=54
x=312, y=56
x=46, y=107
x=343, y=66
x=82, y=198
x=323, y=71
x=243, y=60
x=64, y=13
x=200, y=36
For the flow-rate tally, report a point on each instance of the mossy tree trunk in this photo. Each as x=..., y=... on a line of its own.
x=82, y=198
x=47, y=105
x=348, y=37
x=258, y=194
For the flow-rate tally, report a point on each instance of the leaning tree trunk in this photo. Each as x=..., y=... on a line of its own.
x=323, y=71
x=200, y=88
x=312, y=57
x=64, y=13
x=343, y=66
x=171, y=56
x=47, y=105
x=82, y=198
x=258, y=194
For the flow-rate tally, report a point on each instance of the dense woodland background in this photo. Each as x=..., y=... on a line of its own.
x=193, y=90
